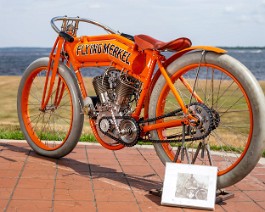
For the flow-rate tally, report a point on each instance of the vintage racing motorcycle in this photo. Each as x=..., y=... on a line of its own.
x=198, y=106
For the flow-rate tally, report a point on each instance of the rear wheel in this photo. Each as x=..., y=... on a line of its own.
x=55, y=130
x=230, y=105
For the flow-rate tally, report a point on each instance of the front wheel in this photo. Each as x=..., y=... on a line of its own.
x=225, y=96
x=55, y=130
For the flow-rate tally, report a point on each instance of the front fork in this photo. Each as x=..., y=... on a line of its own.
x=52, y=70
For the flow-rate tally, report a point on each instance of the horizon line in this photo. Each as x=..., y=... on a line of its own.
x=36, y=47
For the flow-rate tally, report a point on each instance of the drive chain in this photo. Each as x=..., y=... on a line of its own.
x=212, y=126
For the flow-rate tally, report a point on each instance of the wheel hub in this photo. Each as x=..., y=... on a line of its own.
x=205, y=119
x=129, y=132
x=103, y=126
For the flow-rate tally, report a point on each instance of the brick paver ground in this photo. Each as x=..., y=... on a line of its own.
x=92, y=178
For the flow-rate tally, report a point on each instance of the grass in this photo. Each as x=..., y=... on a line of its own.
x=9, y=127
x=13, y=132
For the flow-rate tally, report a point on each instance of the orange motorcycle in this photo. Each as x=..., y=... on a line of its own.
x=199, y=106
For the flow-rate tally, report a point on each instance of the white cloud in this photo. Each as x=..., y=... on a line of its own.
x=244, y=18
x=259, y=18
x=95, y=6
x=204, y=21
x=252, y=14
x=229, y=9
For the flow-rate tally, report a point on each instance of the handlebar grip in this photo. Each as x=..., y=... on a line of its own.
x=66, y=36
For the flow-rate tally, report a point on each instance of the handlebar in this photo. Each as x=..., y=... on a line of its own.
x=70, y=24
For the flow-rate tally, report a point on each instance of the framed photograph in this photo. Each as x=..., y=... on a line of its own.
x=190, y=186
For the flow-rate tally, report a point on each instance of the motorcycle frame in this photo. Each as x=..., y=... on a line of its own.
x=138, y=63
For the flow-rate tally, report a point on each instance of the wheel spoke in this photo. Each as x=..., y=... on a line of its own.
x=223, y=96
x=48, y=128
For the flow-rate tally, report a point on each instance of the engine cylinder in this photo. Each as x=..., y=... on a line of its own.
x=122, y=91
x=101, y=85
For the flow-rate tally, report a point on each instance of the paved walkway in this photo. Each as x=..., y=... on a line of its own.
x=92, y=178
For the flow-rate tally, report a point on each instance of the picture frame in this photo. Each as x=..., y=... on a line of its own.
x=187, y=185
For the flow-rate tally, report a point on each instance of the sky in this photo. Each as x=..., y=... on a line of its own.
x=26, y=23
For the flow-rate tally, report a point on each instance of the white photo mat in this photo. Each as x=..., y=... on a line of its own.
x=188, y=185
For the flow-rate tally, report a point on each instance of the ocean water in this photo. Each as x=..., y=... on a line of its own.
x=14, y=61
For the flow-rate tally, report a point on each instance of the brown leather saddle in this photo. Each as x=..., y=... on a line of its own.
x=147, y=42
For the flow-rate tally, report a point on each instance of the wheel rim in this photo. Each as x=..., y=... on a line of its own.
x=50, y=128
x=219, y=90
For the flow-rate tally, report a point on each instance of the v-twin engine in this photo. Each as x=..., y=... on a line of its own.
x=117, y=93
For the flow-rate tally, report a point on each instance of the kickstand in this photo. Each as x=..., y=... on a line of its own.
x=222, y=195
x=156, y=192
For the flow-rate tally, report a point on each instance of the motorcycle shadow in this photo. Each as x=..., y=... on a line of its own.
x=77, y=170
